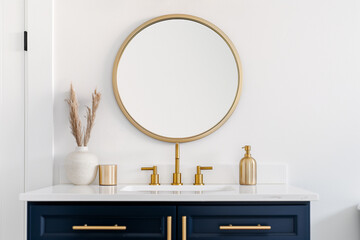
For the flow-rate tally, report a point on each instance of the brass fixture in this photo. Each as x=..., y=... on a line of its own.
x=86, y=227
x=108, y=175
x=258, y=227
x=154, y=176
x=177, y=174
x=199, y=176
x=247, y=168
x=168, y=234
x=183, y=228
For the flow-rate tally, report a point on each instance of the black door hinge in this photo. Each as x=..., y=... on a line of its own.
x=25, y=41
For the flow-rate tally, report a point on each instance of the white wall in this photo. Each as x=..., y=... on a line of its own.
x=11, y=119
x=300, y=103
x=39, y=95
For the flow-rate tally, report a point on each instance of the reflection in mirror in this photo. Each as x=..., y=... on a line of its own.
x=177, y=78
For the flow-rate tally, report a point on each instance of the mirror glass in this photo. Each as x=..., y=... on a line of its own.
x=177, y=78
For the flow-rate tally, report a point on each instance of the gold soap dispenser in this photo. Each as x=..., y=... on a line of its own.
x=247, y=168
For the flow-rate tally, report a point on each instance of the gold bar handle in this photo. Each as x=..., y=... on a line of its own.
x=169, y=219
x=86, y=227
x=258, y=227
x=205, y=168
x=184, y=228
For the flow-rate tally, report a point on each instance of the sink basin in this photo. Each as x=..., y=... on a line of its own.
x=171, y=188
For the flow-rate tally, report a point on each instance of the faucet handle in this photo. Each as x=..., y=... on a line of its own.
x=154, y=176
x=199, y=176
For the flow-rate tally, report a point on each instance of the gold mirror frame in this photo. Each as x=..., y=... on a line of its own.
x=170, y=17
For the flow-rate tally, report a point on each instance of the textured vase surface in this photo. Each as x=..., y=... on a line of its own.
x=81, y=166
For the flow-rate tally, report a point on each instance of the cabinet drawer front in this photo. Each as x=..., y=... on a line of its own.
x=248, y=222
x=106, y=221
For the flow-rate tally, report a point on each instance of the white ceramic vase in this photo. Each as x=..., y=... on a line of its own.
x=81, y=166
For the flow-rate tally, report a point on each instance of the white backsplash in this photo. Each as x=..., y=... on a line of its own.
x=221, y=174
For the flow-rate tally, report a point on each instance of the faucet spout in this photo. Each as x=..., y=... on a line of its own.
x=177, y=158
x=177, y=174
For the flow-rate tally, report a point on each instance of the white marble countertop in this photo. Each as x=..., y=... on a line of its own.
x=122, y=193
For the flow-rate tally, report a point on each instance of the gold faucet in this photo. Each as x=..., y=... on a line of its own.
x=199, y=176
x=177, y=174
x=154, y=176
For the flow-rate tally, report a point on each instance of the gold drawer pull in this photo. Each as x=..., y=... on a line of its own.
x=86, y=227
x=183, y=228
x=258, y=227
x=169, y=218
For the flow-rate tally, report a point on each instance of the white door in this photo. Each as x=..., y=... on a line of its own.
x=26, y=108
x=11, y=119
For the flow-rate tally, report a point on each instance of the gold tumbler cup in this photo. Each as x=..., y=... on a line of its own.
x=108, y=175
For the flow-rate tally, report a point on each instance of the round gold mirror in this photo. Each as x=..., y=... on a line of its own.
x=177, y=78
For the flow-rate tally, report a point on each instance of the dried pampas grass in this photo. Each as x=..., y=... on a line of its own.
x=75, y=122
x=81, y=136
x=91, y=114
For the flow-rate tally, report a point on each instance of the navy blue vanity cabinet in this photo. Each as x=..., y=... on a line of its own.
x=259, y=221
x=183, y=220
x=76, y=221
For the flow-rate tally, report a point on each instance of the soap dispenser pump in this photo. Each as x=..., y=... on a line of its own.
x=247, y=168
